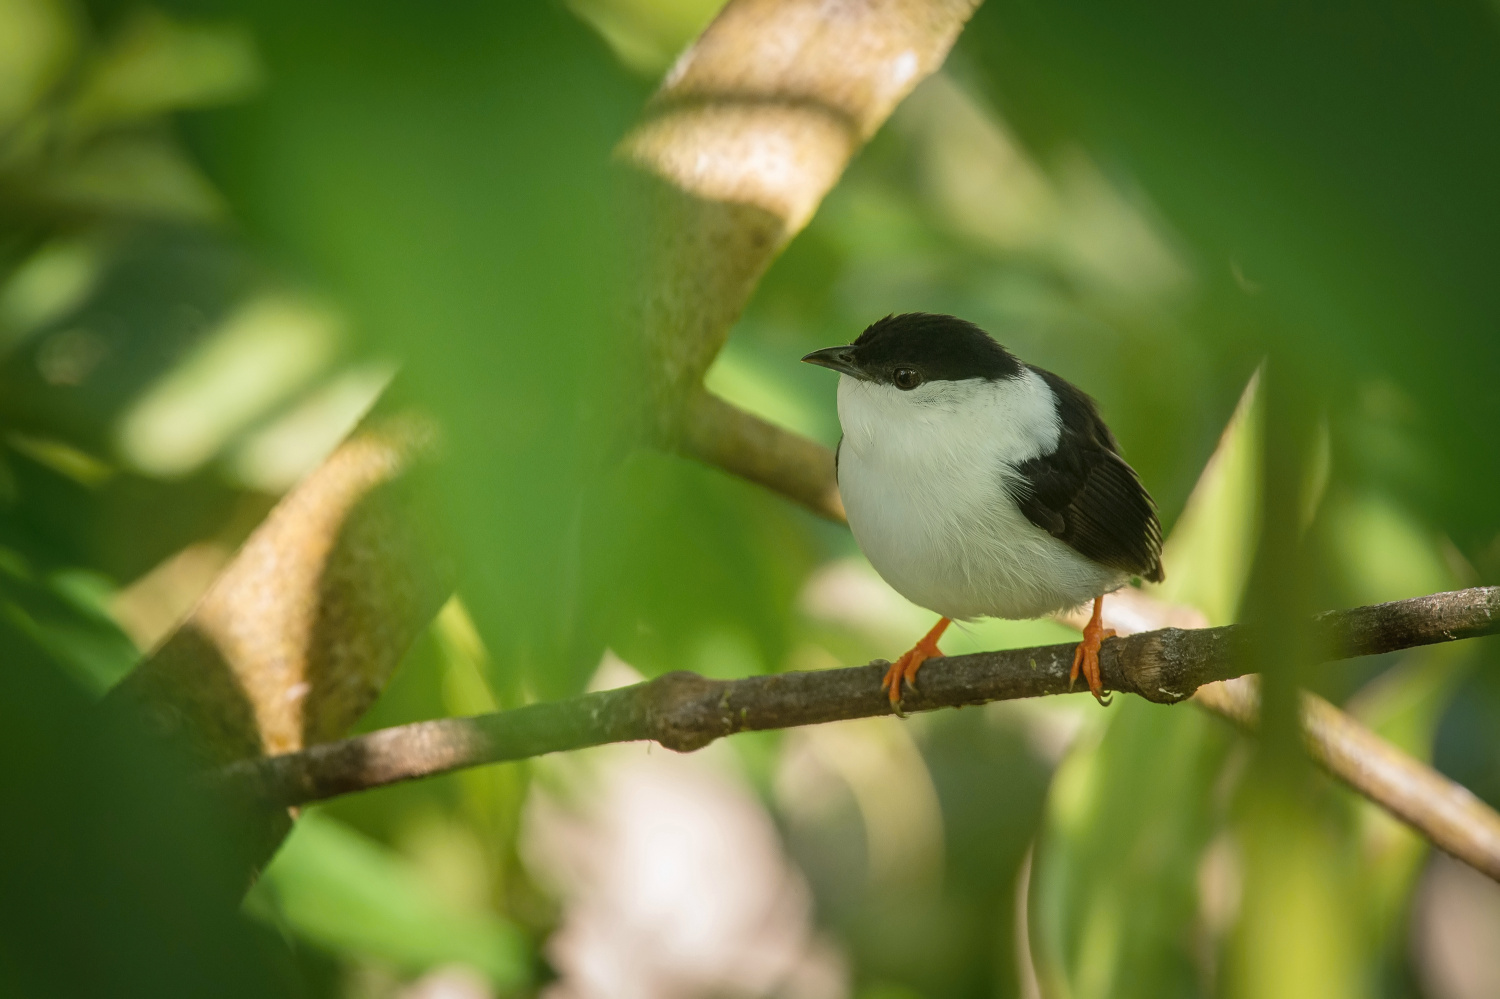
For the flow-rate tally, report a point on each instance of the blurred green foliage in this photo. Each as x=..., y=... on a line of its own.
x=119, y=872
x=223, y=225
x=348, y=894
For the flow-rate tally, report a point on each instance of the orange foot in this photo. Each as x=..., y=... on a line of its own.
x=1086, y=657
x=904, y=670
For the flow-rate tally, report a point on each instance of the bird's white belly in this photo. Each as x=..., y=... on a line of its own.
x=934, y=518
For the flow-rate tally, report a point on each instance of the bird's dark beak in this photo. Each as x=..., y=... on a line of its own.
x=840, y=359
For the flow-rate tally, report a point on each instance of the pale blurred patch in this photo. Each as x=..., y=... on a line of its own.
x=1221, y=887
x=672, y=877
x=276, y=457
x=1130, y=611
x=883, y=768
x=455, y=981
x=1027, y=985
x=1454, y=932
x=850, y=594
x=613, y=673
x=1049, y=724
x=449, y=858
x=262, y=352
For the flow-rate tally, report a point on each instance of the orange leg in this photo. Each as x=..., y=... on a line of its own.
x=1086, y=657
x=904, y=670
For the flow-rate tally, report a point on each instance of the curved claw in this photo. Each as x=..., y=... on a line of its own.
x=1086, y=656
x=904, y=670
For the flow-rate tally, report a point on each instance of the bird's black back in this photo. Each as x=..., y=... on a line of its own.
x=1084, y=494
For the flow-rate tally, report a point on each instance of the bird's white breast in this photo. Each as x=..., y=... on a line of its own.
x=923, y=477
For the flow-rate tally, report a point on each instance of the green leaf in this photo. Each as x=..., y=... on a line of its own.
x=343, y=891
x=120, y=872
x=65, y=613
x=1113, y=893
x=156, y=65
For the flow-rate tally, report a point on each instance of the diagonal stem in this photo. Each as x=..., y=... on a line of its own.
x=1445, y=812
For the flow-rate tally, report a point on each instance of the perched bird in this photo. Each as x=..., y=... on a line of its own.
x=981, y=486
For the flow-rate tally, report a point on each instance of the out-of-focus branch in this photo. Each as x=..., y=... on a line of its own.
x=1446, y=813
x=684, y=711
x=299, y=634
x=750, y=129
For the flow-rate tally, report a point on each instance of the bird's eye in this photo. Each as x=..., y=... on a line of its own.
x=906, y=379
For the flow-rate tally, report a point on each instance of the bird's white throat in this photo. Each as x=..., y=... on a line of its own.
x=924, y=475
x=1013, y=419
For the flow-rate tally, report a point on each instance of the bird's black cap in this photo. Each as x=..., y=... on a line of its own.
x=935, y=347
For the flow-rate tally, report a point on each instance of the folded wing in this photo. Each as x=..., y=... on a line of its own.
x=1085, y=495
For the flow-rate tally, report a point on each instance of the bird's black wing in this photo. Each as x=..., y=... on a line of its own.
x=1084, y=493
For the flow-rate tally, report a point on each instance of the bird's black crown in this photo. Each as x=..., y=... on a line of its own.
x=941, y=348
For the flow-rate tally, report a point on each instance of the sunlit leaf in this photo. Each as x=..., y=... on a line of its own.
x=36, y=39
x=156, y=65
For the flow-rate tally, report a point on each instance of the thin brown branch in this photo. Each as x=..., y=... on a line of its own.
x=720, y=434
x=684, y=711
x=1446, y=813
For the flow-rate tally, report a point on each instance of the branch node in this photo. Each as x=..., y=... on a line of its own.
x=1146, y=666
x=685, y=711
